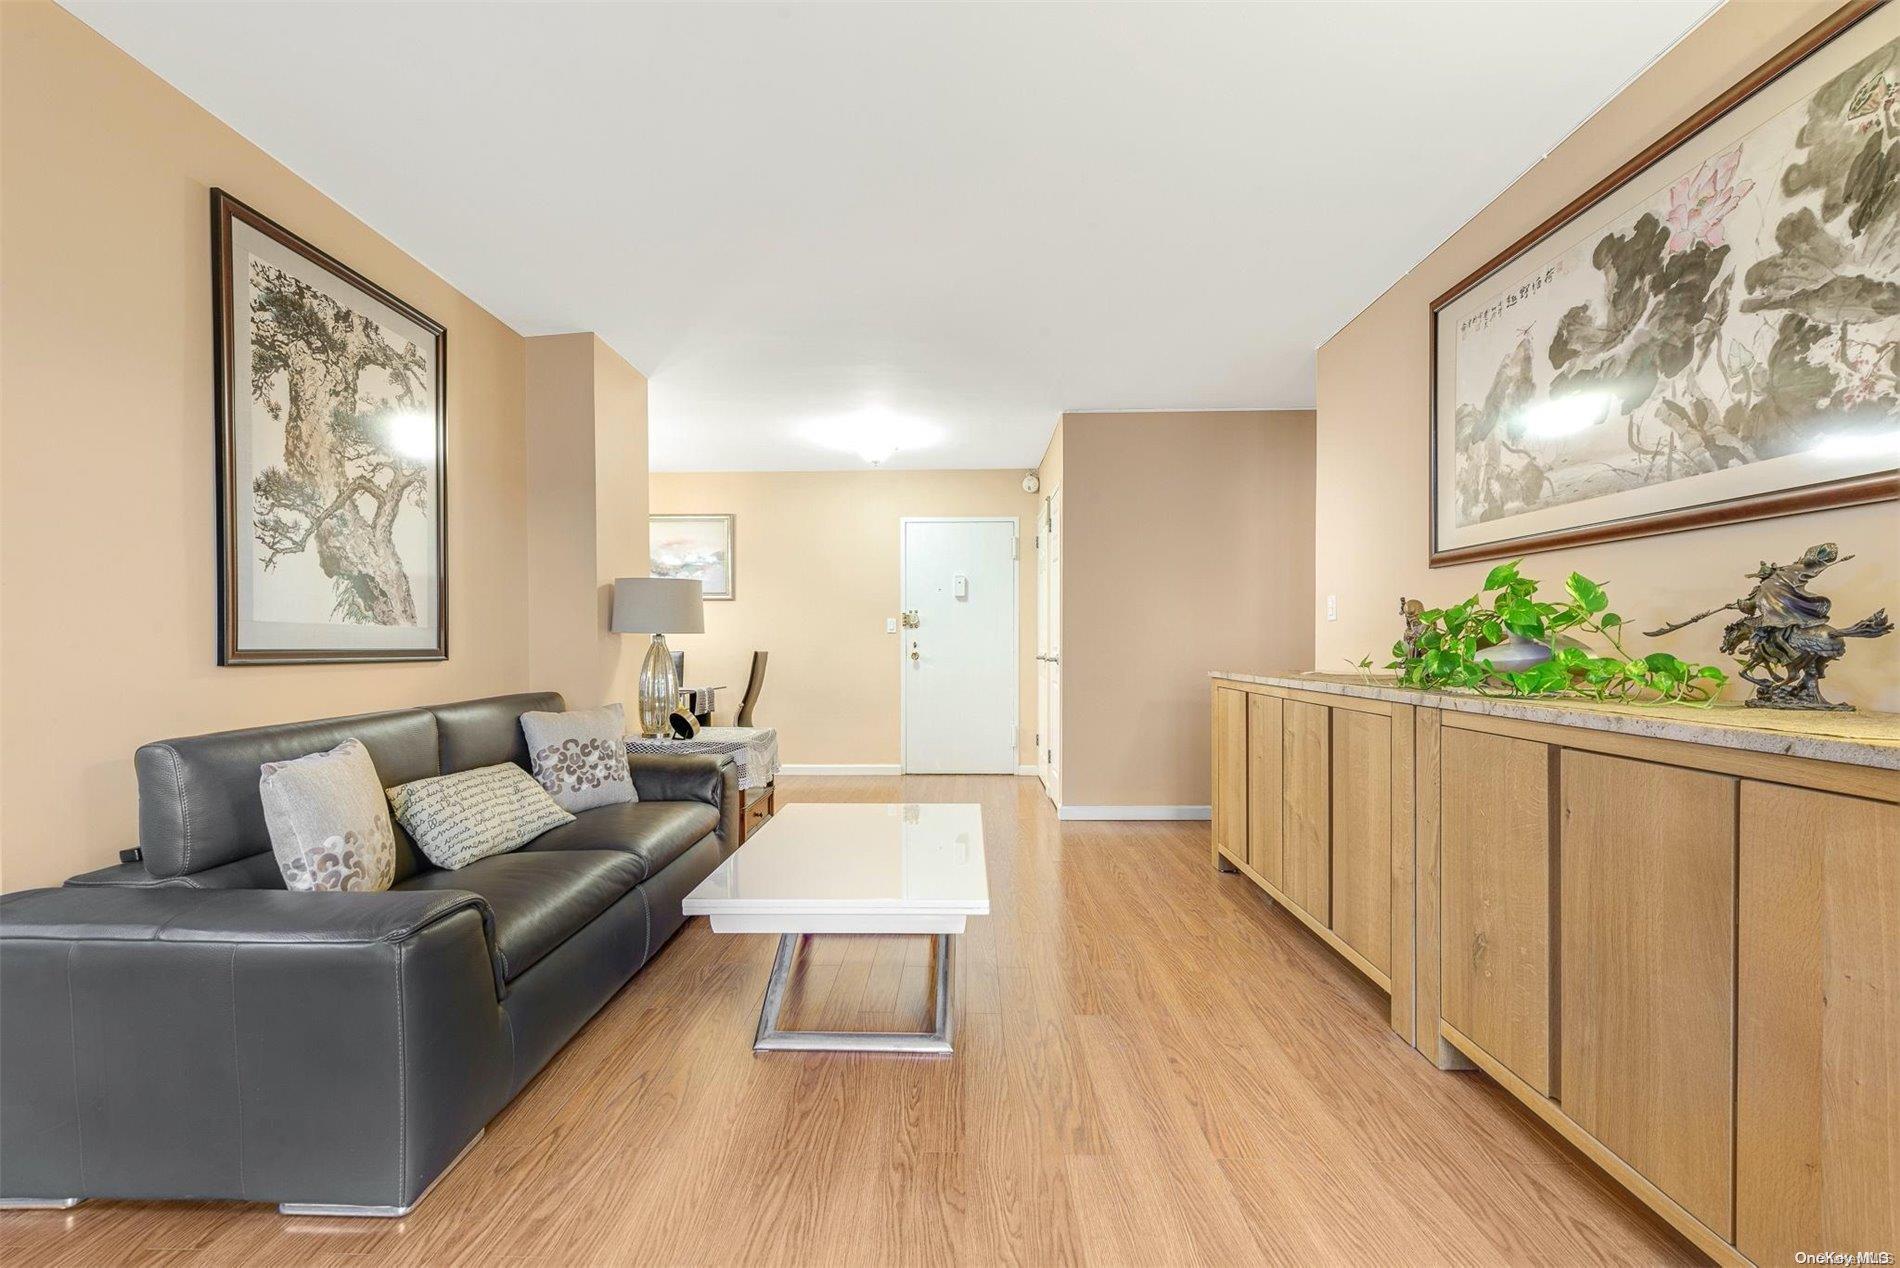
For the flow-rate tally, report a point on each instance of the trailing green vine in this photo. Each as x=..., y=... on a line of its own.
x=1450, y=645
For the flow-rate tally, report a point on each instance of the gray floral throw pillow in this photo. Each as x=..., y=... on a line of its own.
x=328, y=821
x=580, y=756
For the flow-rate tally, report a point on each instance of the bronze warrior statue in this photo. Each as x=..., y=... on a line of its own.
x=1782, y=636
x=1410, y=610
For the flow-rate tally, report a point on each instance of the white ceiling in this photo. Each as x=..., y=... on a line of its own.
x=968, y=216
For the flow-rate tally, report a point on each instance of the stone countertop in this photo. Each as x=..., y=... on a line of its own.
x=1856, y=739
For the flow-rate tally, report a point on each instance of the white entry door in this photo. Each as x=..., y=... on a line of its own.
x=1049, y=647
x=959, y=646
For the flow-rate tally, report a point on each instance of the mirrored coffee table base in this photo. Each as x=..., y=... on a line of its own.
x=771, y=1038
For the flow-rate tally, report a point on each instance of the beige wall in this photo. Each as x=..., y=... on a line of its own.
x=587, y=510
x=1187, y=546
x=1050, y=472
x=815, y=577
x=1373, y=419
x=620, y=515
x=107, y=538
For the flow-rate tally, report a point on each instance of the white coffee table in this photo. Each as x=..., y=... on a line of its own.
x=819, y=868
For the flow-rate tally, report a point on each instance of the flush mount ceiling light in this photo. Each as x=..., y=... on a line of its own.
x=873, y=434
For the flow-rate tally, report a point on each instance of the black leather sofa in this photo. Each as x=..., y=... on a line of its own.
x=184, y=1027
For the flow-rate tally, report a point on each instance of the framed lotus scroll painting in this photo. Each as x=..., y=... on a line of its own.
x=1711, y=334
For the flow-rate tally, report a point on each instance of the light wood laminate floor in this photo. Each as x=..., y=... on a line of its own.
x=1155, y=1066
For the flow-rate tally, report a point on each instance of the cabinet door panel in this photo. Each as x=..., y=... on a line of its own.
x=1497, y=885
x=1362, y=833
x=1263, y=786
x=1230, y=773
x=1306, y=829
x=1817, y=1147
x=1646, y=1030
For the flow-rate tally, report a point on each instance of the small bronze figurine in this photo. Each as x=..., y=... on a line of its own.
x=1410, y=609
x=1783, y=638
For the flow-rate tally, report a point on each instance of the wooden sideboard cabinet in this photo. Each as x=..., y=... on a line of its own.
x=1306, y=820
x=1817, y=1107
x=1646, y=984
x=1266, y=829
x=1673, y=934
x=1230, y=775
x=1307, y=805
x=1498, y=917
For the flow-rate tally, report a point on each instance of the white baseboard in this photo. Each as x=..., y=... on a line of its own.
x=876, y=768
x=1134, y=812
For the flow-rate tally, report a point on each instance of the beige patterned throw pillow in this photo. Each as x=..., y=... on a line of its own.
x=580, y=756
x=472, y=814
x=328, y=825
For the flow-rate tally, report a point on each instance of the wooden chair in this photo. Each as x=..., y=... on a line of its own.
x=753, y=684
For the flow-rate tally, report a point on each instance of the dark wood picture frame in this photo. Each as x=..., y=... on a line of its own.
x=233, y=537
x=1849, y=491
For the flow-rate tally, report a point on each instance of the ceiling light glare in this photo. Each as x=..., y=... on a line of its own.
x=412, y=435
x=873, y=434
x=1565, y=415
x=1860, y=444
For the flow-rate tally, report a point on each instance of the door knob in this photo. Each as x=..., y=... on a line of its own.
x=913, y=651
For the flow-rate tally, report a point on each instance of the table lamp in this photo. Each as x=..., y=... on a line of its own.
x=658, y=606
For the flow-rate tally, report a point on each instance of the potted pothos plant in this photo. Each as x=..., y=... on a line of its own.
x=1450, y=646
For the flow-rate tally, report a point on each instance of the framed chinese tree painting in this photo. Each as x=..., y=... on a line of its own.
x=331, y=422
x=1710, y=334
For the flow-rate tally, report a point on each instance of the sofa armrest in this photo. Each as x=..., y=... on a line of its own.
x=712, y=778
x=333, y=1049
x=162, y=913
x=124, y=875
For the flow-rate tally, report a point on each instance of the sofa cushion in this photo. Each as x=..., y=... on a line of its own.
x=488, y=732
x=198, y=797
x=653, y=832
x=539, y=901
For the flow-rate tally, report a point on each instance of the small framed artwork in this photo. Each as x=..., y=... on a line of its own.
x=1710, y=334
x=693, y=546
x=331, y=428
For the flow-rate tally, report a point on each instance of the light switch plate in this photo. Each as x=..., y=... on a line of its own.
x=890, y=625
x=1332, y=607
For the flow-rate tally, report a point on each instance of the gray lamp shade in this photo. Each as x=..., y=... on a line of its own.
x=658, y=605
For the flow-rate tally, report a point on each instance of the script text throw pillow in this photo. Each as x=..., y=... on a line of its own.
x=456, y=819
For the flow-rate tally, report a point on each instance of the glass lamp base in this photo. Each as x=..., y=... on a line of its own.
x=659, y=688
